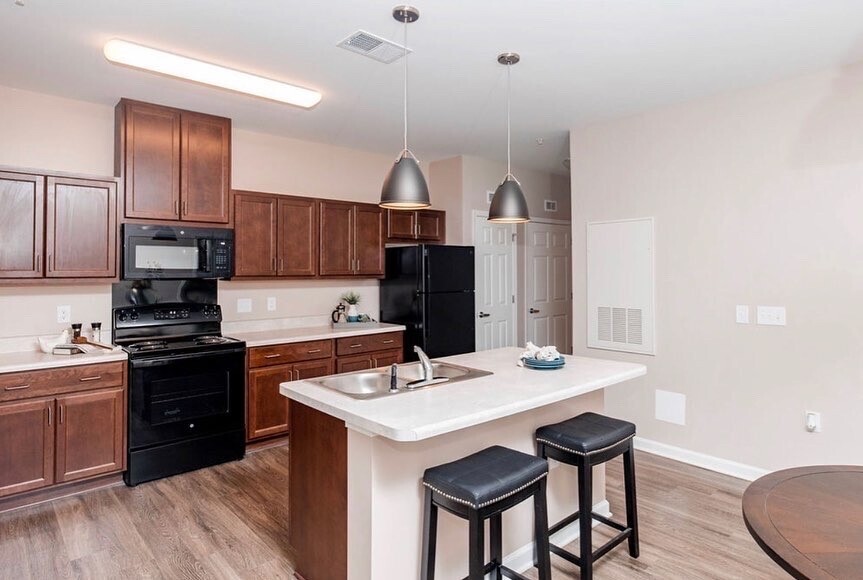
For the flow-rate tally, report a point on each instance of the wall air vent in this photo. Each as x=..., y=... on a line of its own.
x=550, y=205
x=374, y=47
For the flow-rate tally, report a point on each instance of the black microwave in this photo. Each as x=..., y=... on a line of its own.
x=176, y=252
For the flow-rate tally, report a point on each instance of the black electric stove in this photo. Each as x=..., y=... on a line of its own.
x=186, y=388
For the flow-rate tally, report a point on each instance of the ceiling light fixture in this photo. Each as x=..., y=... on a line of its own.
x=405, y=186
x=175, y=65
x=508, y=205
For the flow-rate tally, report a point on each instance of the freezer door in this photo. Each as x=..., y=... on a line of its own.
x=448, y=268
x=448, y=323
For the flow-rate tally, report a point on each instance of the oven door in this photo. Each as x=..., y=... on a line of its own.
x=177, y=397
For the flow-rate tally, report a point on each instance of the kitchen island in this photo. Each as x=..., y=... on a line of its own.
x=356, y=465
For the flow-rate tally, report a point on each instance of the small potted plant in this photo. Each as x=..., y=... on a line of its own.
x=352, y=299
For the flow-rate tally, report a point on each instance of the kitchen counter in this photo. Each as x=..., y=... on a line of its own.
x=439, y=409
x=361, y=462
x=11, y=362
x=288, y=335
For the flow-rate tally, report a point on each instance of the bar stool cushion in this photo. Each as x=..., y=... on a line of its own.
x=485, y=477
x=586, y=433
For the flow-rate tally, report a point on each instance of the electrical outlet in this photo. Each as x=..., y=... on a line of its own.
x=742, y=314
x=271, y=303
x=813, y=421
x=244, y=305
x=64, y=314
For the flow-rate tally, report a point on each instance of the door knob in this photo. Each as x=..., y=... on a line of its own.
x=484, y=314
x=533, y=311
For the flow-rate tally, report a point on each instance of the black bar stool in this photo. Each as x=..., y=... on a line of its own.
x=479, y=487
x=584, y=441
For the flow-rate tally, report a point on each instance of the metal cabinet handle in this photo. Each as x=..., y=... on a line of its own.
x=177, y=207
x=61, y=414
x=293, y=378
x=50, y=262
x=272, y=355
x=37, y=261
x=18, y=388
x=483, y=315
x=49, y=415
x=533, y=311
x=355, y=346
x=389, y=341
x=313, y=351
x=84, y=379
x=185, y=207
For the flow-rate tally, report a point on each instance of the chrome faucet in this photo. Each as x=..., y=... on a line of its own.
x=428, y=371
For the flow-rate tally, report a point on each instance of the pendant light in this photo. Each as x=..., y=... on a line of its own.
x=405, y=186
x=508, y=205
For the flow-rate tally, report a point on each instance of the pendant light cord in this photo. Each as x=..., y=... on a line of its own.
x=406, y=85
x=508, y=97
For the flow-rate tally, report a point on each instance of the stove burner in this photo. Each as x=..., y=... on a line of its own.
x=150, y=345
x=210, y=340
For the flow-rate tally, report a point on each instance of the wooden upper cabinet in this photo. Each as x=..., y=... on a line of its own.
x=22, y=218
x=337, y=238
x=298, y=236
x=369, y=240
x=176, y=165
x=81, y=228
x=27, y=453
x=427, y=225
x=205, y=168
x=149, y=143
x=255, y=241
x=90, y=434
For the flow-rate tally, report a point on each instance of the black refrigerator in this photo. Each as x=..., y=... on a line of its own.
x=430, y=290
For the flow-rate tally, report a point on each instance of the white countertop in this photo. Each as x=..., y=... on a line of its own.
x=440, y=409
x=11, y=362
x=286, y=335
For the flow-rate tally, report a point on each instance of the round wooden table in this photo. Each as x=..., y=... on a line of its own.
x=809, y=520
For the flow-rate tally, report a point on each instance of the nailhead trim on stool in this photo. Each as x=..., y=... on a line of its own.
x=586, y=432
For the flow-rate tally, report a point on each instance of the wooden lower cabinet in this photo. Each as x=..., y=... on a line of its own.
x=61, y=425
x=27, y=452
x=90, y=434
x=372, y=360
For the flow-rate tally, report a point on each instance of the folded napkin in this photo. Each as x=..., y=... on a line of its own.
x=547, y=353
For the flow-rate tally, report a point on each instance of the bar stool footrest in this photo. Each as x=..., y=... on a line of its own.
x=507, y=572
x=599, y=552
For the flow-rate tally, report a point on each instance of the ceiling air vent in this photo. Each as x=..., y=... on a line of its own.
x=374, y=47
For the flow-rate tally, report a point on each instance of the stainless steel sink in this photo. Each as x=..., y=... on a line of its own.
x=376, y=383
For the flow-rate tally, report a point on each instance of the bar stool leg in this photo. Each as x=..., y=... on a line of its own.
x=429, y=536
x=495, y=543
x=631, y=510
x=540, y=531
x=585, y=508
x=476, y=546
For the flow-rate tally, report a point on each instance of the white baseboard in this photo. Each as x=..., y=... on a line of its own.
x=521, y=559
x=725, y=466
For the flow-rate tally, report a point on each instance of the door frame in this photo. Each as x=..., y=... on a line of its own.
x=552, y=222
x=516, y=267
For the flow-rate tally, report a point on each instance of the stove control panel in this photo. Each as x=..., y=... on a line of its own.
x=166, y=314
x=171, y=314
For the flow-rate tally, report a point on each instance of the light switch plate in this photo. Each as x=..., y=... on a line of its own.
x=244, y=305
x=671, y=407
x=742, y=314
x=64, y=314
x=771, y=315
x=271, y=303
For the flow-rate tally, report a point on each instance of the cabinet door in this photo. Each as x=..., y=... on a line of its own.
x=401, y=225
x=312, y=369
x=431, y=225
x=337, y=239
x=348, y=364
x=369, y=240
x=81, y=228
x=254, y=234
x=22, y=218
x=205, y=168
x=27, y=451
x=151, y=156
x=90, y=434
x=386, y=358
x=268, y=409
x=298, y=236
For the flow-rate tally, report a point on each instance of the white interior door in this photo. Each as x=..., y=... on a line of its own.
x=495, y=294
x=548, y=285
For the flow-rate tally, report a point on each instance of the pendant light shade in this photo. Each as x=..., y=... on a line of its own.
x=405, y=186
x=508, y=205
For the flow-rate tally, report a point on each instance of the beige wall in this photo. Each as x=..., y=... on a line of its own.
x=445, y=185
x=757, y=198
x=51, y=133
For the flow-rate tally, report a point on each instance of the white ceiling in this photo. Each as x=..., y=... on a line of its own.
x=582, y=61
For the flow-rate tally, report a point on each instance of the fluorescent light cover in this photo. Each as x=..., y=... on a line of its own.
x=131, y=54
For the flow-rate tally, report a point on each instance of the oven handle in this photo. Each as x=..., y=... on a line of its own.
x=162, y=361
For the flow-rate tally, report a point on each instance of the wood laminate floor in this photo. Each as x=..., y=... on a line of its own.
x=231, y=521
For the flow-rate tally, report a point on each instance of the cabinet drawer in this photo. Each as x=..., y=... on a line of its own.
x=24, y=385
x=368, y=343
x=261, y=356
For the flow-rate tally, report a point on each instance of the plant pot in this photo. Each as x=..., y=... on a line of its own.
x=353, y=315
